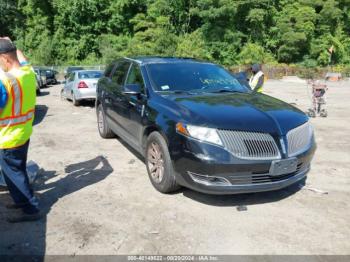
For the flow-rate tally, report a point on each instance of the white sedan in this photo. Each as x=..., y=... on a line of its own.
x=81, y=85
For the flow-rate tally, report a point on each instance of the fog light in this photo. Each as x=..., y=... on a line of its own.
x=209, y=180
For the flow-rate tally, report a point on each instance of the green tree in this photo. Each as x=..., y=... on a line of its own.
x=254, y=53
x=295, y=25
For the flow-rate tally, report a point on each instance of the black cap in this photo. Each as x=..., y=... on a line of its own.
x=6, y=46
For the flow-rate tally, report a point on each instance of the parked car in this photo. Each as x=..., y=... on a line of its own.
x=38, y=84
x=81, y=85
x=198, y=127
x=71, y=69
x=51, y=76
x=41, y=77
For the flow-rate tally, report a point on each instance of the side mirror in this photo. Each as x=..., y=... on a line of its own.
x=132, y=89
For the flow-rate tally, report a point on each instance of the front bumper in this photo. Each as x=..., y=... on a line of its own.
x=213, y=170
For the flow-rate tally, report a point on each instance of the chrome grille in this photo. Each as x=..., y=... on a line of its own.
x=299, y=139
x=264, y=177
x=250, y=145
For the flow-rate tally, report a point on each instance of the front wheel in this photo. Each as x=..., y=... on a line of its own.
x=159, y=166
x=311, y=113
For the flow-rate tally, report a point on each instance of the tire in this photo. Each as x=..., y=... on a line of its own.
x=75, y=101
x=63, y=98
x=157, y=156
x=324, y=113
x=102, y=125
x=311, y=113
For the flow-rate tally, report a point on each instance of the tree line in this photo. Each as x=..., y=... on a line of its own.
x=230, y=32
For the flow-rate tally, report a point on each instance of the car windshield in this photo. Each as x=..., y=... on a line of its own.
x=89, y=74
x=186, y=77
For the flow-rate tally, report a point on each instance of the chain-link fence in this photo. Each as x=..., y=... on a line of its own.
x=63, y=69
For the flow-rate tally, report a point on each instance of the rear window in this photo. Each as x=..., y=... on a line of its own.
x=90, y=75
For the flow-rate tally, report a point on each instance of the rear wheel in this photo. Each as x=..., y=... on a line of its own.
x=159, y=166
x=103, y=128
x=324, y=113
x=75, y=101
x=62, y=96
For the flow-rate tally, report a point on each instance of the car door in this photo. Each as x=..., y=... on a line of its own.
x=116, y=101
x=65, y=87
x=135, y=103
x=69, y=84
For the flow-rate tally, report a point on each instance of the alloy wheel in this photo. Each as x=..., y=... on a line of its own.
x=100, y=121
x=155, y=162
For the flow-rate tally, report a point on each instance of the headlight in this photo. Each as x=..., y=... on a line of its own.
x=198, y=132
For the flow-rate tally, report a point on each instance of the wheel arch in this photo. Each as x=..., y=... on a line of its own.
x=148, y=130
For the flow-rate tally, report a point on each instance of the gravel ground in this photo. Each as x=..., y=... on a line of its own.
x=99, y=200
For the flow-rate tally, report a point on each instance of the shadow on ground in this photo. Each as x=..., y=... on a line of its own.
x=242, y=199
x=30, y=238
x=43, y=93
x=87, y=103
x=40, y=113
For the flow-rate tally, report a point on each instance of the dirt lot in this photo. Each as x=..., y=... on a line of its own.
x=100, y=201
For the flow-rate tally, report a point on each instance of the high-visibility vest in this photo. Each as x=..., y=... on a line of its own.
x=16, y=119
x=254, y=81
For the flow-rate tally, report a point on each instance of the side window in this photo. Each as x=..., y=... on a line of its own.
x=120, y=73
x=135, y=77
x=71, y=77
x=109, y=70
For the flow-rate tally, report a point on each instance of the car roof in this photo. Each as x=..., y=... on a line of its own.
x=90, y=70
x=74, y=67
x=143, y=60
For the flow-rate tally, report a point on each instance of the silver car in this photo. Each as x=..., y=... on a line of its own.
x=81, y=85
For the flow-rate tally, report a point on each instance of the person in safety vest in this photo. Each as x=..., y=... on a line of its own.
x=256, y=81
x=17, y=104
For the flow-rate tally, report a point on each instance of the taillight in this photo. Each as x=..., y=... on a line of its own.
x=82, y=84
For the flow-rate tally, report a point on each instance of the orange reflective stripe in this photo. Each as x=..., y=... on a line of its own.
x=12, y=121
x=16, y=95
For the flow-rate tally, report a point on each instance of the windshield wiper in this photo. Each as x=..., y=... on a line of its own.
x=225, y=91
x=181, y=92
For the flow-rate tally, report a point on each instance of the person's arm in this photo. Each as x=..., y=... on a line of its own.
x=3, y=96
x=22, y=58
x=260, y=82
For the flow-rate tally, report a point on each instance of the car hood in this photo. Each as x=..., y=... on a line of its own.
x=238, y=111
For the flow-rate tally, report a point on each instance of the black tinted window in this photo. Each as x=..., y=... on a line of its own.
x=193, y=76
x=135, y=77
x=109, y=70
x=120, y=73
